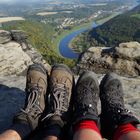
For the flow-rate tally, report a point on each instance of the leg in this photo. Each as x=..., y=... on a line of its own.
x=50, y=138
x=87, y=134
x=120, y=122
x=27, y=120
x=10, y=135
x=134, y=135
x=85, y=104
x=61, y=82
x=127, y=132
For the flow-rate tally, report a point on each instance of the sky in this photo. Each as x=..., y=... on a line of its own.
x=5, y=1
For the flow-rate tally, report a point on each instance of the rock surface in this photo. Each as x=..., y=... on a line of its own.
x=16, y=56
x=124, y=60
x=12, y=96
x=5, y=36
x=13, y=60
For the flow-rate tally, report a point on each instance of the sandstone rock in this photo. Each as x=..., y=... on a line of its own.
x=15, y=57
x=18, y=54
x=12, y=99
x=18, y=35
x=129, y=50
x=21, y=38
x=5, y=36
x=12, y=96
x=36, y=57
x=13, y=60
x=124, y=60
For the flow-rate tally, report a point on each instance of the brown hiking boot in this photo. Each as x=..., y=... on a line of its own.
x=36, y=86
x=61, y=83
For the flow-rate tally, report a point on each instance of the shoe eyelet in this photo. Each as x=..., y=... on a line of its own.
x=90, y=105
x=119, y=111
x=84, y=113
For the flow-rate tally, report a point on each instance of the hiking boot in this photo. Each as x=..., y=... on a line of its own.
x=36, y=86
x=61, y=84
x=86, y=98
x=113, y=111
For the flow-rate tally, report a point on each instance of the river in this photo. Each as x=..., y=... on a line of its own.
x=64, y=48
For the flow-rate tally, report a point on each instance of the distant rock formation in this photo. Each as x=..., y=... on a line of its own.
x=124, y=59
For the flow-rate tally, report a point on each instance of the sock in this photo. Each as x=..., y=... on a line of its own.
x=87, y=124
x=22, y=129
x=53, y=130
x=124, y=129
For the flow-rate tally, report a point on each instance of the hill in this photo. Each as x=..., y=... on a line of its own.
x=122, y=28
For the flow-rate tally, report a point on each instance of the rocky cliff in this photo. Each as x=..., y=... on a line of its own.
x=17, y=54
x=123, y=59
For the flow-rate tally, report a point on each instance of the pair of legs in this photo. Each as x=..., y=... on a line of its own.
x=117, y=123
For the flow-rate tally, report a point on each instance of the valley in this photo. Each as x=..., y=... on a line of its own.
x=48, y=22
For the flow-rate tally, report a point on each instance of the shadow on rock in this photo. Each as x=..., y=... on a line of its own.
x=11, y=101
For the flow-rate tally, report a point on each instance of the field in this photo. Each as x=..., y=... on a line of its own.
x=46, y=13
x=136, y=15
x=68, y=12
x=99, y=4
x=52, y=13
x=7, y=19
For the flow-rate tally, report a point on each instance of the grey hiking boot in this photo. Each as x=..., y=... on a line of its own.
x=86, y=98
x=113, y=111
x=61, y=84
x=36, y=86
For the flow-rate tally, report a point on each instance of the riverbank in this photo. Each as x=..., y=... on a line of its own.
x=65, y=33
x=65, y=48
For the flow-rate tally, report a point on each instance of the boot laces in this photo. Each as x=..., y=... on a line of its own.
x=33, y=109
x=60, y=100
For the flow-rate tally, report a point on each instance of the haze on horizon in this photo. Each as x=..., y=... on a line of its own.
x=65, y=1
